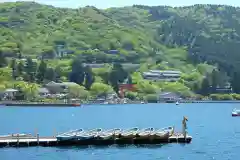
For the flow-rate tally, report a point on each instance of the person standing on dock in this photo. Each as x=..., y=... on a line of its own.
x=184, y=126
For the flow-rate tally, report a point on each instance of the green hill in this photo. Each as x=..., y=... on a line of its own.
x=158, y=37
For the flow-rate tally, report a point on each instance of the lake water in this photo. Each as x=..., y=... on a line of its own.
x=216, y=134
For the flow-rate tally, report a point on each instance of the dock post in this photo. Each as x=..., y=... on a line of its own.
x=17, y=139
x=37, y=138
x=184, y=127
x=54, y=133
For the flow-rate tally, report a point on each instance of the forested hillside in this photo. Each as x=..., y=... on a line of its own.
x=192, y=39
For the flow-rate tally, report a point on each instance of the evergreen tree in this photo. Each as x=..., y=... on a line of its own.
x=41, y=71
x=215, y=77
x=89, y=77
x=20, y=68
x=205, y=87
x=235, y=82
x=116, y=76
x=50, y=74
x=77, y=75
x=58, y=74
x=3, y=61
x=30, y=69
x=13, y=66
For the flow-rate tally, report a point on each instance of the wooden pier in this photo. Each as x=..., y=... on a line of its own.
x=23, y=140
x=52, y=141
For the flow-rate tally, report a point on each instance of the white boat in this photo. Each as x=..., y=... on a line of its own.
x=235, y=112
x=162, y=133
x=142, y=102
x=105, y=102
x=109, y=134
x=89, y=134
x=70, y=135
x=130, y=133
x=144, y=133
x=177, y=103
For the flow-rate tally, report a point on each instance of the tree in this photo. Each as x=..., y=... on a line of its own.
x=146, y=88
x=89, y=77
x=50, y=74
x=116, y=76
x=13, y=65
x=41, y=71
x=205, y=87
x=77, y=74
x=58, y=73
x=215, y=77
x=29, y=90
x=20, y=68
x=235, y=82
x=100, y=89
x=30, y=69
x=78, y=92
x=3, y=61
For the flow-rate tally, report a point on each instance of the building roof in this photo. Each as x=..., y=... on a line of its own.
x=68, y=83
x=168, y=94
x=165, y=72
x=150, y=74
x=11, y=90
x=60, y=84
x=43, y=90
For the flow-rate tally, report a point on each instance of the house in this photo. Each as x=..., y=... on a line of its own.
x=95, y=65
x=9, y=94
x=54, y=87
x=168, y=96
x=162, y=75
x=43, y=92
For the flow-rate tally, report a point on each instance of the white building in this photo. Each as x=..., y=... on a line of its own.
x=162, y=75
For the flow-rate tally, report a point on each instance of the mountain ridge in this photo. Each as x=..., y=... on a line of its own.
x=158, y=37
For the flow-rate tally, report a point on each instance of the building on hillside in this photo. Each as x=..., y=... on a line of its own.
x=157, y=75
x=168, y=96
x=113, y=52
x=43, y=92
x=54, y=87
x=95, y=65
x=9, y=94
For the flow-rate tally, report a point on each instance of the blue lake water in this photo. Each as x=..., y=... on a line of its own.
x=216, y=134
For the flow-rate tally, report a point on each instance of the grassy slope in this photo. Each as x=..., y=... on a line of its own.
x=32, y=28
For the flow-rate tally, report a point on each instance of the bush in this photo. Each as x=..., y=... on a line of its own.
x=151, y=98
x=131, y=95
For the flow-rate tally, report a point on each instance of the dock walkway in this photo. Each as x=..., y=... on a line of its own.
x=52, y=141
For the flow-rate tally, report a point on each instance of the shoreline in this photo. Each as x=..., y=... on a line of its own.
x=40, y=104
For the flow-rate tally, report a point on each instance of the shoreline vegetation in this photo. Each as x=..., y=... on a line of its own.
x=91, y=53
x=67, y=104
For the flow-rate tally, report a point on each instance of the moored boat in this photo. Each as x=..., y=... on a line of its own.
x=109, y=134
x=91, y=134
x=145, y=133
x=130, y=133
x=70, y=135
x=236, y=112
x=162, y=133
